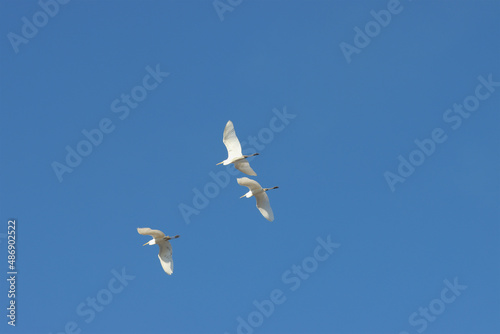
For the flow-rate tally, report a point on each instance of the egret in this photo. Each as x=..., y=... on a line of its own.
x=165, y=254
x=234, y=151
x=260, y=195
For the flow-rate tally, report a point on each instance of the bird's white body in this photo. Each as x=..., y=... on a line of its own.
x=165, y=254
x=229, y=161
x=234, y=155
x=253, y=193
x=260, y=195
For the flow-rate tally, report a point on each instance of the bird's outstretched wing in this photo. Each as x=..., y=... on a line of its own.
x=244, y=166
x=154, y=233
x=231, y=141
x=165, y=256
x=249, y=183
x=264, y=206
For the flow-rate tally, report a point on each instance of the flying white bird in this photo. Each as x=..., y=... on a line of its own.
x=165, y=254
x=234, y=151
x=260, y=195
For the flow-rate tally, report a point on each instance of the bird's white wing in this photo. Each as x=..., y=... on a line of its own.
x=165, y=256
x=264, y=206
x=154, y=233
x=244, y=166
x=251, y=184
x=231, y=141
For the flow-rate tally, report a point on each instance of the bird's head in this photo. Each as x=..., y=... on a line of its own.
x=150, y=242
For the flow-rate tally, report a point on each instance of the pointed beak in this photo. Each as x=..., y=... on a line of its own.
x=242, y=196
x=146, y=243
x=220, y=163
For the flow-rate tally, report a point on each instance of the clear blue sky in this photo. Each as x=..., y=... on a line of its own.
x=361, y=105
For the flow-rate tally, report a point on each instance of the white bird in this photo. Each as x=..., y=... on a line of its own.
x=165, y=254
x=260, y=195
x=234, y=151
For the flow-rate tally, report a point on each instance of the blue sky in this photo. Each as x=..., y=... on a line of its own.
x=382, y=135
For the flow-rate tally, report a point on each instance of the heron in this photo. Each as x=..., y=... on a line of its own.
x=260, y=195
x=162, y=240
x=234, y=155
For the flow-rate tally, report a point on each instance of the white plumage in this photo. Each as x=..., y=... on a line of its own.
x=260, y=195
x=234, y=155
x=165, y=254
